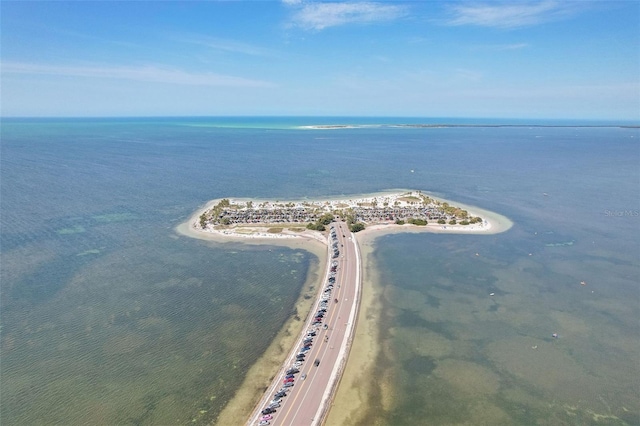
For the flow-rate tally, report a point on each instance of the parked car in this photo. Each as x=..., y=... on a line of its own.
x=268, y=410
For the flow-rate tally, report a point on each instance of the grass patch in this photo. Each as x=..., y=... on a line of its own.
x=409, y=199
x=274, y=230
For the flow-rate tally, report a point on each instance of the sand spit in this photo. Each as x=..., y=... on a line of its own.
x=351, y=398
x=269, y=221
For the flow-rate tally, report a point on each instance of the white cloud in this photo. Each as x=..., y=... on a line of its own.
x=228, y=45
x=500, y=47
x=153, y=74
x=509, y=14
x=318, y=16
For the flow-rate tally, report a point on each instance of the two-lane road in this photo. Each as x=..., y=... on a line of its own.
x=307, y=401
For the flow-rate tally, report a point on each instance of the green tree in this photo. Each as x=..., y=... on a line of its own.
x=326, y=218
x=316, y=226
x=357, y=227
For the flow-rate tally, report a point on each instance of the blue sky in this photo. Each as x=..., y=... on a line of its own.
x=514, y=59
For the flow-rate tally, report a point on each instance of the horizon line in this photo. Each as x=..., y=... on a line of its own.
x=495, y=121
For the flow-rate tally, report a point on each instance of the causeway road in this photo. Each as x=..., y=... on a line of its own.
x=307, y=402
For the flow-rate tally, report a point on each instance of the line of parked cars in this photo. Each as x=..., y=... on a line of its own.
x=290, y=375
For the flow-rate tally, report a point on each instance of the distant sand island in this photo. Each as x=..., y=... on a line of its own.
x=407, y=210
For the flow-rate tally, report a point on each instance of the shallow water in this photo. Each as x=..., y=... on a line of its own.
x=109, y=317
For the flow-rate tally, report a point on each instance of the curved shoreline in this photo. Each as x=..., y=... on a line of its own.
x=259, y=376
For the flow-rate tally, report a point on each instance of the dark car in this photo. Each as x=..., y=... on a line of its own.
x=279, y=395
x=293, y=371
x=268, y=410
x=289, y=376
x=316, y=362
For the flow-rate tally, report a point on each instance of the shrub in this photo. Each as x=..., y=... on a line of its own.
x=357, y=227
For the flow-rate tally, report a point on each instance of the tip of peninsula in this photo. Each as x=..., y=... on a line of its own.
x=404, y=211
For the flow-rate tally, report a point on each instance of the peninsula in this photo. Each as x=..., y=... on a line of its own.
x=275, y=219
x=301, y=387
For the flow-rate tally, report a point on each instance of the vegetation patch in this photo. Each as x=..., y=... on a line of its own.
x=409, y=199
x=356, y=227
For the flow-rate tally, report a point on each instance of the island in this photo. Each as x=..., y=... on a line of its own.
x=299, y=381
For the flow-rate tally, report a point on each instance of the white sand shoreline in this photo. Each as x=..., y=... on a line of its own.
x=493, y=223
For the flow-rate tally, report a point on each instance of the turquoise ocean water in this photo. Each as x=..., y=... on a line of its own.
x=109, y=317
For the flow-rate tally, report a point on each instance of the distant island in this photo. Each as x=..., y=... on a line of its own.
x=447, y=125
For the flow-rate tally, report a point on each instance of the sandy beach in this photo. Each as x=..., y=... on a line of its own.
x=352, y=397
